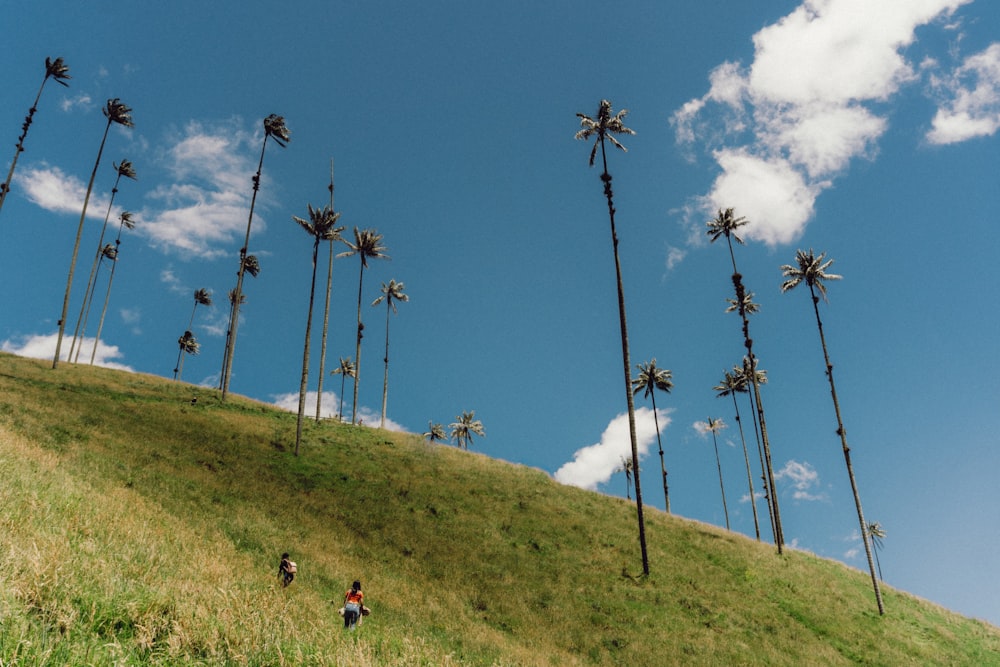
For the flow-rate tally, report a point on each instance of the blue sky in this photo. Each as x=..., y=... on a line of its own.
x=864, y=130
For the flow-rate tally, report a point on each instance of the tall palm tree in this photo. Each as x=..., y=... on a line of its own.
x=251, y=265
x=124, y=168
x=392, y=292
x=730, y=386
x=58, y=72
x=274, y=128
x=714, y=426
x=367, y=245
x=741, y=375
x=603, y=129
x=877, y=533
x=188, y=344
x=727, y=224
x=652, y=378
x=463, y=430
x=125, y=222
x=115, y=112
x=202, y=297
x=435, y=433
x=811, y=270
x=626, y=467
x=322, y=226
x=326, y=312
x=345, y=370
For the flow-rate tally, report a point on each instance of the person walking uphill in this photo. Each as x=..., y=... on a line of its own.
x=287, y=569
x=353, y=604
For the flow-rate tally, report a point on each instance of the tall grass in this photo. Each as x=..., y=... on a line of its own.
x=141, y=528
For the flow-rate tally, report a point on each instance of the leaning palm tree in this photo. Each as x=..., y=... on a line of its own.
x=188, y=344
x=202, y=297
x=124, y=168
x=322, y=226
x=435, y=433
x=652, y=378
x=811, y=270
x=57, y=71
x=115, y=112
x=367, y=245
x=463, y=430
x=345, y=370
x=604, y=128
x=741, y=375
x=714, y=426
x=730, y=386
x=326, y=313
x=392, y=292
x=125, y=222
x=877, y=533
x=251, y=265
x=727, y=225
x=274, y=128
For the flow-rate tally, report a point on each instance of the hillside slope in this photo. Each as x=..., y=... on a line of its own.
x=143, y=520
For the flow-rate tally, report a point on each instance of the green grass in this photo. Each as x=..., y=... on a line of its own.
x=139, y=528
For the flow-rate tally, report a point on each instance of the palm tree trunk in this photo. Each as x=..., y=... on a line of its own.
x=20, y=141
x=104, y=310
x=722, y=488
x=746, y=457
x=326, y=328
x=385, y=377
x=76, y=248
x=303, y=385
x=763, y=465
x=340, y=413
x=234, y=317
x=606, y=178
x=659, y=444
x=847, y=455
x=357, y=351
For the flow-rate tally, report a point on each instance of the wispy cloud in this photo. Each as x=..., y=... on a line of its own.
x=331, y=403
x=782, y=127
x=803, y=479
x=594, y=465
x=43, y=346
x=972, y=107
x=54, y=190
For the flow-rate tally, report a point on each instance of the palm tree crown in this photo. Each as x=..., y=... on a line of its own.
x=435, y=432
x=274, y=127
x=651, y=377
x=465, y=427
x=810, y=269
x=605, y=126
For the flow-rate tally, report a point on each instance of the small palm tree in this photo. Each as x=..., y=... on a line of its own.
x=810, y=269
x=727, y=224
x=730, y=386
x=123, y=169
x=652, y=379
x=463, y=430
x=604, y=128
x=435, y=433
x=202, y=297
x=714, y=426
x=58, y=72
x=876, y=533
x=125, y=222
x=626, y=467
x=274, y=128
x=345, y=370
x=322, y=226
x=367, y=245
x=188, y=345
x=392, y=292
x=118, y=113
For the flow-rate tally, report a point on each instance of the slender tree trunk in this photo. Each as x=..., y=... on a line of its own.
x=357, y=350
x=746, y=457
x=234, y=317
x=104, y=310
x=340, y=413
x=659, y=444
x=722, y=488
x=5, y=188
x=626, y=363
x=385, y=378
x=76, y=249
x=326, y=316
x=847, y=456
x=304, y=384
x=763, y=465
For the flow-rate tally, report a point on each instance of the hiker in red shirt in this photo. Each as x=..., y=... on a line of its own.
x=353, y=603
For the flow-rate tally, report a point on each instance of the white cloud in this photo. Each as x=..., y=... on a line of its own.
x=781, y=128
x=331, y=403
x=38, y=346
x=973, y=109
x=594, y=465
x=803, y=478
x=81, y=100
x=56, y=191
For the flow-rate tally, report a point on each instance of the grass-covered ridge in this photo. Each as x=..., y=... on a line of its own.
x=140, y=527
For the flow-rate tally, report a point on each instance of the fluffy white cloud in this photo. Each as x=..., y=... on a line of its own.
x=54, y=190
x=781, y=128
x=803, y=479
x=594, y=465
x=331, y=403
x=39, y=346
x=974, y=107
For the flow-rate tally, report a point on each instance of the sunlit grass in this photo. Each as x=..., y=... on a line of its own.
x=140, y=527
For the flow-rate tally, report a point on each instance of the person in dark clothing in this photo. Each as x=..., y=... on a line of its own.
x=286, y=569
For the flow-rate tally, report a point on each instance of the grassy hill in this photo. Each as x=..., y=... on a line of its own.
x=143, y=519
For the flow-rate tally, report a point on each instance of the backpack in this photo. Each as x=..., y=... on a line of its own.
x=292, y=568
